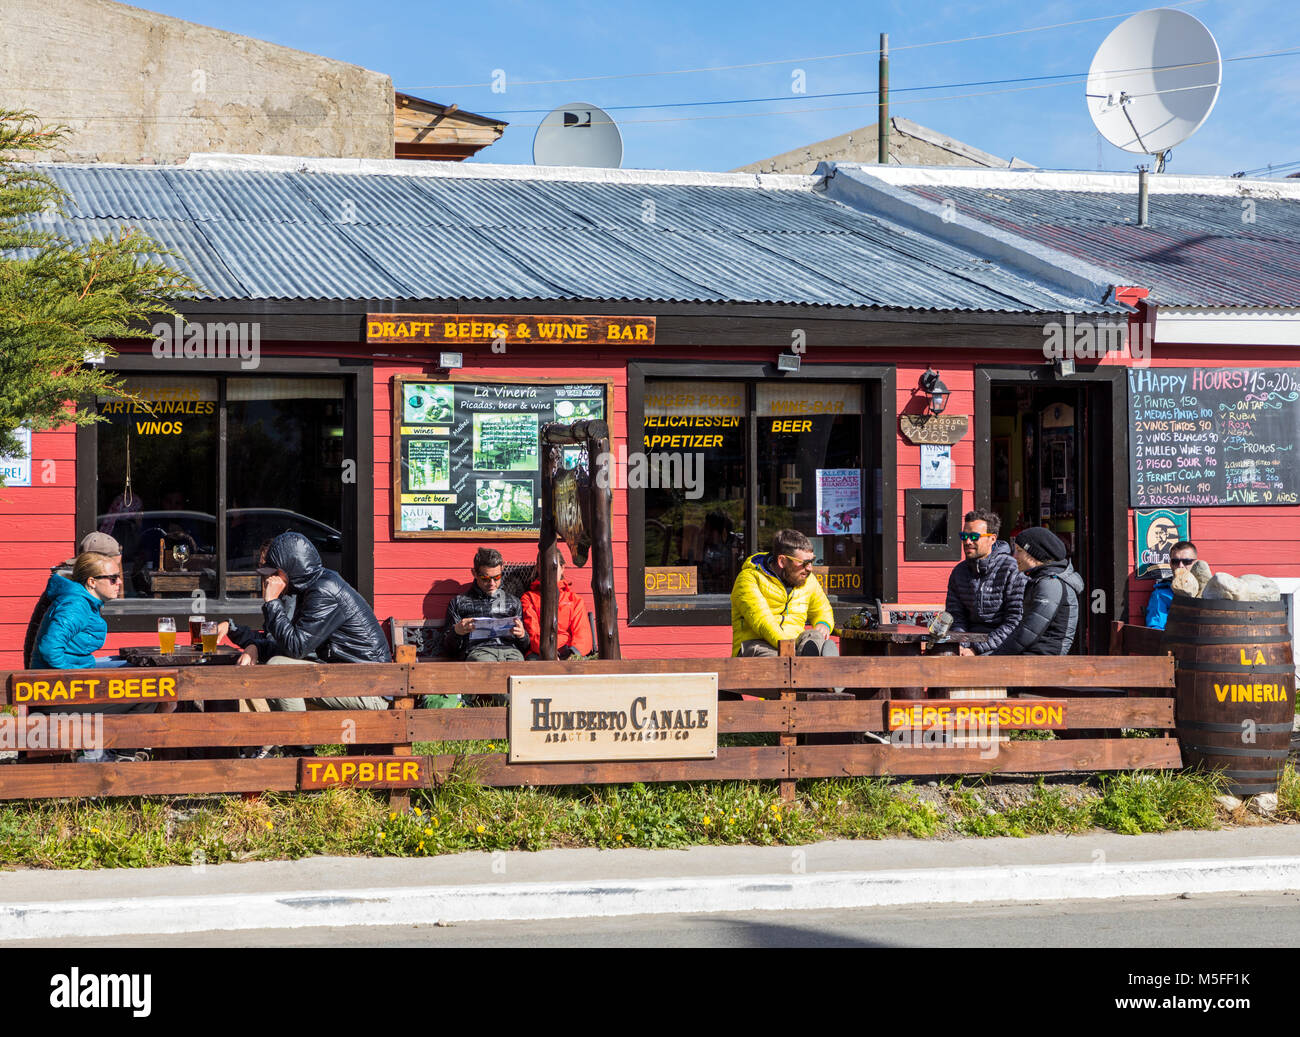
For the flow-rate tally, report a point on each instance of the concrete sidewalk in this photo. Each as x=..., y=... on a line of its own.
x=586, y=883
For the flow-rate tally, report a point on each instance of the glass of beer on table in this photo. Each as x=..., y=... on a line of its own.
x=166, y=635
x=209, y=636
x=196, y=635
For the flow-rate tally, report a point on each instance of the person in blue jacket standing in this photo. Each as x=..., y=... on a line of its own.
x=1181, y=554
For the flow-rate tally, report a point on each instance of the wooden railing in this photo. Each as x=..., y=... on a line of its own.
x=780, y=683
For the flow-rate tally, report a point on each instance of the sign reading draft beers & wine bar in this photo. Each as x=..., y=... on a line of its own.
x=584, y=718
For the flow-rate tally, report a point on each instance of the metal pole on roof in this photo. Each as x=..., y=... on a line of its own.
x=1142, y=196
x=882, y=104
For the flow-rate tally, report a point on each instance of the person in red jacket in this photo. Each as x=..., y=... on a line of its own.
x=573, y=632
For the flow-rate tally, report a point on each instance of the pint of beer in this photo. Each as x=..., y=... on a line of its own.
x=167, y=635
x=209, y=636
x=196, y=635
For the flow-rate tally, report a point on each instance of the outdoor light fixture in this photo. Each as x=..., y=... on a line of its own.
x=450, y=361
x=933, y=387
x=1065, y=367
x=787, y=361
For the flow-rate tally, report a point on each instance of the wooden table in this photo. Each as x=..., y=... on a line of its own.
x=900, y=639
x=151, y=655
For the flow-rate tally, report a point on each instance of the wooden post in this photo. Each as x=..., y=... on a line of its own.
x=786, y=651
x=399, y=800
x=602, y=552
x=549, y=552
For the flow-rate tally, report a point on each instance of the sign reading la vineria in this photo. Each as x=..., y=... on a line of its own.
x=465, y=454
x=660, y=716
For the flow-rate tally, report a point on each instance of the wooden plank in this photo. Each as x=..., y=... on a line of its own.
x=732, y=764
x=1082, y=671
x=90, y=686
x=182, y=777
x=868, y=715
x=322, y=727
x=457, y=725
x=1094, y=754
x=322, y=680
x=461, y=678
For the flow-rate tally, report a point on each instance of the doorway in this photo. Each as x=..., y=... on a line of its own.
x=1051, y=449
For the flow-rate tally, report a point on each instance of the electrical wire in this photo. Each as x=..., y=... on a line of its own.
x=807, y=60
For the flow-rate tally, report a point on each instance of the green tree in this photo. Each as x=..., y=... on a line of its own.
x=60, y=300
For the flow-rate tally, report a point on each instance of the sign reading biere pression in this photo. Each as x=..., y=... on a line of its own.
x=507, y=329
x=663, y=716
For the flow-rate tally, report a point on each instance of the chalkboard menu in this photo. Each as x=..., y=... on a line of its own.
x=465, y=454
x=1208, y=436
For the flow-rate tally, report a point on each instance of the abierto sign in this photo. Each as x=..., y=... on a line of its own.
x=659, y=716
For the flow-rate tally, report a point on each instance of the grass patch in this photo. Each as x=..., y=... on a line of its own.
x=463, y=815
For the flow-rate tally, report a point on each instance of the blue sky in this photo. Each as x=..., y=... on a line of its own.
x=435, y=51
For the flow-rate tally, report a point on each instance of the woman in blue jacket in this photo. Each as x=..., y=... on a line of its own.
x=73, y=630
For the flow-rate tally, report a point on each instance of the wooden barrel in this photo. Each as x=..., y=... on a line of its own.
x=1235, y=682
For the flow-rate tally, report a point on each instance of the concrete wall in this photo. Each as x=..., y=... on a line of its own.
x=140, y=87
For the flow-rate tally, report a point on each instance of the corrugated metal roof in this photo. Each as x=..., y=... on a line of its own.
x=1199, y=250
x=290, y=234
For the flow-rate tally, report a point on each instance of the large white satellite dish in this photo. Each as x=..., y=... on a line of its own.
x=578, y=135
x=1154, y=81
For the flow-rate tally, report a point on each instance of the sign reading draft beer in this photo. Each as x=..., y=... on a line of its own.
x=505, y=330
x=1009, y=714
x=90, y=687
x=656, y=716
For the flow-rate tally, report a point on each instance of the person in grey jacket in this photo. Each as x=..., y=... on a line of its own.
x=1051, y=613
x=986, y=591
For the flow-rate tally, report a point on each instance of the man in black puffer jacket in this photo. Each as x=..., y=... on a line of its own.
x=986, y=591
x=331, y=619
x=1051, y=615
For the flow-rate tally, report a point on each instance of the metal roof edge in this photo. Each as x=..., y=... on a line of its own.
x=498, y=171
x=853, y=186
x=1074, y=180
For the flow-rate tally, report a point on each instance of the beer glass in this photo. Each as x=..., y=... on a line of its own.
x=209, y=636
x=196, y=637
x=167, y=635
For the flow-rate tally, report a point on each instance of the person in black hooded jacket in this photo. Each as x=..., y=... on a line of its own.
x=330, y=619
x=986, y=590
x=1051, y=613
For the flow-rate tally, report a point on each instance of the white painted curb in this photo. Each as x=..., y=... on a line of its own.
x=426, y=905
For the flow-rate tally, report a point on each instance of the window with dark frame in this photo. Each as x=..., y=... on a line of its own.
x=808, y=472
x=158, y=478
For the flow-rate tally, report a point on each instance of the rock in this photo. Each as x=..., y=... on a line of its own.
x=1186, y=585
x=1229, y=803
x=1222, y=586
x=1264, y=803
x=1202, y=572
x=1259, y=588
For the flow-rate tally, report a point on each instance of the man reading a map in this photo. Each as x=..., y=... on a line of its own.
x=484, y=623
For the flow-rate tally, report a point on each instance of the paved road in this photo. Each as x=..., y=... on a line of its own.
x=1261, y=920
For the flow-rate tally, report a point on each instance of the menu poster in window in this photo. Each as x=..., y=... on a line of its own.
x=17, y=470
x=936, y=467
x=465, y=454
x=839, y=501
x=1209, y=436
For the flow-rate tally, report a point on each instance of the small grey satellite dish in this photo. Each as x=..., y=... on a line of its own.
x=578, y=135
x=1154, y=81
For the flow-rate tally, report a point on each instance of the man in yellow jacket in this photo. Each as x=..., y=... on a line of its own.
x=776, y=596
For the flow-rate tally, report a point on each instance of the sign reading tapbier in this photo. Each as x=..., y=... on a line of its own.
x=661, y=716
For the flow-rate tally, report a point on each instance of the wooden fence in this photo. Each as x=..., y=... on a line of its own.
x=1102, y=694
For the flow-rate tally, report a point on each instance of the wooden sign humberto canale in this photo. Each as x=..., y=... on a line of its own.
x=507, y=329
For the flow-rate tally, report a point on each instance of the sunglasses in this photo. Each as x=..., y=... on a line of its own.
x=973, y=537
x=115, y=577
x=1182, y=561
x=796, y=563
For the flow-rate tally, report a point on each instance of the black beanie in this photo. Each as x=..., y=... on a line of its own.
x=1041, y=543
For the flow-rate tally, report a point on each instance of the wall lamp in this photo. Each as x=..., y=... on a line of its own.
x=787, y=362
x=933, y=387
